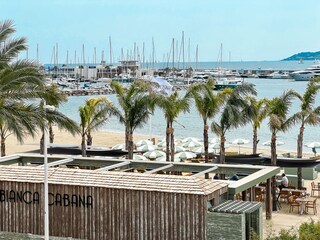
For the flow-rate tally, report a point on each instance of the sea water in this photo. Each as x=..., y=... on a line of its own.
x=191, y=124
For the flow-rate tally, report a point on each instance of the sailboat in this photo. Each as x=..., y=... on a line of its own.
x=222, y=77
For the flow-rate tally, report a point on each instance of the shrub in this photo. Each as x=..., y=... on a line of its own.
x=309, y=231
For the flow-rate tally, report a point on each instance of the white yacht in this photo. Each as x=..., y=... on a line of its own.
x=305, y=75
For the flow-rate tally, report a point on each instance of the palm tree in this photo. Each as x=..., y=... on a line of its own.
x=20, y=81
x=259, y=114
x=308, y=115
x=9, y=47
x=17, y=119
x=93, y=115
x=172, y=106
x=208, y=105
x=235, y=113
x=54, y=97
x=135, y=105
x=278, y=121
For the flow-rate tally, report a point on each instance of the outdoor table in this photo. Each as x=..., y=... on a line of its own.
x=290, y=190
x=303, y=201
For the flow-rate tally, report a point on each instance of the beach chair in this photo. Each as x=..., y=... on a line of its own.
x=314, y=188
x=313, y=205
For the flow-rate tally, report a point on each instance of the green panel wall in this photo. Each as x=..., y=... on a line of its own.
x=225, y=226
x=307, y=173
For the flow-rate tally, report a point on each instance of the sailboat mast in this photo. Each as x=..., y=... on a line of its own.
x=182, y=49
x=189, y=60
x=143, y=57
x=197, y=57
x=37, y=52
x=110, y=49
x=172, y=52
x=153, y=54
x=57, y=54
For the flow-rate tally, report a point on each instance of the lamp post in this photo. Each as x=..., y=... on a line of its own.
x=46, y=185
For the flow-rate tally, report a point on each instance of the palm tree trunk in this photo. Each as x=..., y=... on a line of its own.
x=51, y=134
x=222, y=149
x=205, y=141
x=274, y=163
x=126, y=136
x=42, y=143
x=206, y=144
x=83, y=145
x=255, y=140
x=168, y=142
x=89, y=139
x=299, y=155
x=172, y=142
x=3, y=145
x=130, y=145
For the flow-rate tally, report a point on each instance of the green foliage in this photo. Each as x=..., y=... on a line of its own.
x=309, y=231
x=284, y=235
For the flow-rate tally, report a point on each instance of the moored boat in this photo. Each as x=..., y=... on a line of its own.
x=307, y=74
x=223, y=83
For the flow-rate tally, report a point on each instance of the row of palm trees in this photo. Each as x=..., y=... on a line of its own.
x=228, y=109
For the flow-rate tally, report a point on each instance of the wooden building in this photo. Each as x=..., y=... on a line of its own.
x=91, y=204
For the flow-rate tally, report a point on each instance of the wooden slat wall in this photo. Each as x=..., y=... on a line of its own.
x=116, y=214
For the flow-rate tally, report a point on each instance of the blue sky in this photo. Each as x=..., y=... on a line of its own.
x=250, y=30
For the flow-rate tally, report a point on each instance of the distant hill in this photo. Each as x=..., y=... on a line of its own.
x=303, y=56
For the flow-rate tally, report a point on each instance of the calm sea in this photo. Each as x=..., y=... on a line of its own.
x=190, y=124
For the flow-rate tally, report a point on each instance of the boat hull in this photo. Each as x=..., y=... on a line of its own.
x=218, y=87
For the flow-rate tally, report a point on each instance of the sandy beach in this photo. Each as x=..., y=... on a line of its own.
x=102, y=138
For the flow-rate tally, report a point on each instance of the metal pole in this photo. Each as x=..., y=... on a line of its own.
x=46, y=205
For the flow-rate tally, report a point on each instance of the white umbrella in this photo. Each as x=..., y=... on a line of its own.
x=163, y=159
x=161, y=144
x=143, y=142
x=191, y=144
x=119, y=146
x=139, y=157
x=201, y=150
x=217, y=146
x=188, y=139
x=268, y=143
x=313, y=145
x=215, y=140
x=146, y=148
x=177, y=149
x=154, y=154
x=185, y=155
x=240, y=141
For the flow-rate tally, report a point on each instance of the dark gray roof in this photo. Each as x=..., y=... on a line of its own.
x=237, y=207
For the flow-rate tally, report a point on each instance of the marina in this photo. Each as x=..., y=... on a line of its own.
x=95, y=79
